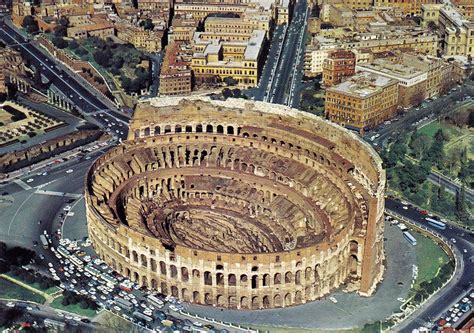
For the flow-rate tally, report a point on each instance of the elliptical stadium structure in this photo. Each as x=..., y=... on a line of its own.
x=238, y=204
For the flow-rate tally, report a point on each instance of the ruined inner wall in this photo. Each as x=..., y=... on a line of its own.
x=238, y=204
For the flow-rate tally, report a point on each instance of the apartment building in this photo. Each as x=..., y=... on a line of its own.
x=218, y=56
x=176, y=76
x=182, y=28
x=363, y=101
x=250, y=21
x=457, y=33
x=430, y=13
x=409, y=7
x=94, y=26
x=412, y=81
x=338, y=65
x=148, y=40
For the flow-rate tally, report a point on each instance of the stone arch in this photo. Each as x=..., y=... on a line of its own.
x=277, y=301
x=266, y=302
x=308, y=273
x=219, y=279
x=354, y=247
x=207, y=299
x=185, y=295
x=162, y=268
x=143, y=260
x=230, y=130
x=146, y=132
x=232, y=301
x=173, y=271
x=277, y=278
x=244, y=302
x=153, y=265
x=243, y=279
x=207, y=278
x=174, y=291
x=135, y=256
x=287, y=299
x=298, y=277
x=154, y=284
x=184, y=274
x=164, y=288
x=136, y=277
x=220, y=300
x=178, y=129
x=266, y=280
x=199, y=128
x=255, y=302
x=254, y=281
x=189, y=129
x=196, y=297
x=196, y=274
x=220, y=129
x=298, y=297
x=209, y=128
x=353, y=264
x=288, y=277
x=232, y=281
x=144, y=282
x=136, y=134
x=157, y=130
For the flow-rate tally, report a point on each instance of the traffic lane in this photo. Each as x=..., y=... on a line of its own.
x=48, y=67
x=451, y=187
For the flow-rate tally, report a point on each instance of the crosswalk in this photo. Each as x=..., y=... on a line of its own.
x=22, y=184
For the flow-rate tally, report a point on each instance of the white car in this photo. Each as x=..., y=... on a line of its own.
x=197, y=324
x=70, y=171
x=67, y=208
x=30, y=180
x=405, y=207
x=116, y=308
x=29, y=308
x=11, y=304
x=333, y=299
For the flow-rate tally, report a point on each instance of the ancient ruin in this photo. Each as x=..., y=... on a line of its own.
x=238, y=204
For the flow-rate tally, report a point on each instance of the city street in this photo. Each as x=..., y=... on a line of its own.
x=459, y=285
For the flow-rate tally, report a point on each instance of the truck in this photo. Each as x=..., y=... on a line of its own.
x=44, y=241
x=435, y=223
x=409, y=237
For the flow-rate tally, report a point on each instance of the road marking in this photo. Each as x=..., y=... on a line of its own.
x=17, y=211
x=59, y=194
x=22, y=184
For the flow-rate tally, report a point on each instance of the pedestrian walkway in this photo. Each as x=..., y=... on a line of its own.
x=22, y=184
x=60, y=194
x=48, y=298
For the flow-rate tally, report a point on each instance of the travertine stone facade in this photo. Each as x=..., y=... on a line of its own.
x=238, y=204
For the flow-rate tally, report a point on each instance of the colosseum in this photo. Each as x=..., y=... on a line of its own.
x=238, y=204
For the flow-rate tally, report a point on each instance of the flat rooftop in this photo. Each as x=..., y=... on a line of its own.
x=363, y=84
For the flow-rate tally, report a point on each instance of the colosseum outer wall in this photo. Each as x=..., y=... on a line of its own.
x=348, y=220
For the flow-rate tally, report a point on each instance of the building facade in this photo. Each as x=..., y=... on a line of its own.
x=362, y=101
x=338, y=65
x=175, y=75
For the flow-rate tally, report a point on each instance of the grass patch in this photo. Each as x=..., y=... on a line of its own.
x=429, y=258
x=11, y=290
x=107, y=322
x=303, y=330
x=75, y=308
x=433, y=127
x=35, y=285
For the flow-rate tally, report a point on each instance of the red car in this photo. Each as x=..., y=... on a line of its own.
x=424, y=212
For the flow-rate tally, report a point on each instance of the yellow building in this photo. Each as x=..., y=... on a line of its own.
x=228, y=55
x=249, y=22
x=409, y=7
x=182, y=29
x=457, y=33
x=430, y=13
x=200, y=11
x=363, y=101
x=147, y=40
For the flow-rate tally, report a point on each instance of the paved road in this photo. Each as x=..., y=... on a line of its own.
x=449, y=295
x=289, y=67
x=83, y=98
x=450, y=186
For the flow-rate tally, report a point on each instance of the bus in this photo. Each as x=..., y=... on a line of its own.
x=92, y=270
x=143, y=316
x=124, y=304
x=109, y=279
x=436, y=224
x=76, y=261
x=44, y=241
x=62, y=251
x=54, y=324
x=155, y=301
x=409, y=237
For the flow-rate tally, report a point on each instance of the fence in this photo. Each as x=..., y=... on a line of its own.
x=212, y=320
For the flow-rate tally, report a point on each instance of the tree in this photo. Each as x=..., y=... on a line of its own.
x=84, y=304
x=60, y=42
x=148, y=25
x=226, y=92
x=230, y=81
x=61, y=28
x=30, y=24
x=419, y=143
x=461, y=210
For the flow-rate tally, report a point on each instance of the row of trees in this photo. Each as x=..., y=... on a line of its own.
x=426, y=288
x=71, y=298
x=30, y=277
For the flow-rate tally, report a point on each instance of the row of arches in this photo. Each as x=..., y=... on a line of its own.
x=199, y=128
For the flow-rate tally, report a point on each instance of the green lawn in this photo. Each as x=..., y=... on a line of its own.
x=75, y=308
x=35, y=285
x=429, y=257
x=13, y=291
x=433, y=127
